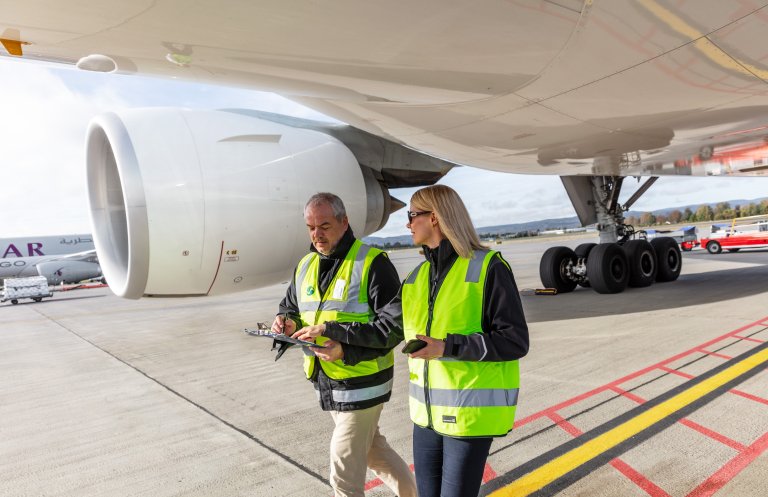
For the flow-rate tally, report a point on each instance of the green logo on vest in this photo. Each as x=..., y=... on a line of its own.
x=310, y=290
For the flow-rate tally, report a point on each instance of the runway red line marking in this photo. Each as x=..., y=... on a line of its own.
x=660, y=365
x=565, y=424
x=713, y=434
x=629, y=395
x=377, y=481
x=749, y=396
x=715, y=354
x=639, y=479
x=679, y=373
x=730, y=469
x=488, y=473
x=717, y=480
x=628, y=471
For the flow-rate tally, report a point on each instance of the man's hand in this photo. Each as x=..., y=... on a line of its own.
x=284, y=325
x=309, y=333
x=331, y=352
x=434, y=349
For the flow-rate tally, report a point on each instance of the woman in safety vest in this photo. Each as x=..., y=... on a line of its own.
x=464, y=304
x=462, y=307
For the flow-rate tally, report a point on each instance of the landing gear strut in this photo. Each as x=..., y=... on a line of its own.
x=622, y=258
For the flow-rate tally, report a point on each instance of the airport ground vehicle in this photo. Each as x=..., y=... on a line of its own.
x=743, y=232
x=34, y=287
x=686, y=236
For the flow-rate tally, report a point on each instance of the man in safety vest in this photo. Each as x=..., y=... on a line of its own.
x=344, y=280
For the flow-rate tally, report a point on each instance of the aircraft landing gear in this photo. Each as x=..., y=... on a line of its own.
x=621, y=259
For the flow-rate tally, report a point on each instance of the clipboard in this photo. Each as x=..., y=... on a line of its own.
x=266, y=333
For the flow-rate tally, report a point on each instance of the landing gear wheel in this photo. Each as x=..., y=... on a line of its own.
x=714, y=247
x=582, y=251
x=706, y=153
x=553, y=269
x=642, y=263
x=668, y=258
x=607, y=268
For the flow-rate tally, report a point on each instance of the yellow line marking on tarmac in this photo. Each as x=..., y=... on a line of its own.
x=560, y=466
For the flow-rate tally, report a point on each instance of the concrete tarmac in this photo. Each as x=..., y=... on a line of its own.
x=658, y=391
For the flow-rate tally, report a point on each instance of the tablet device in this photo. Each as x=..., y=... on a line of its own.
x=281, y=338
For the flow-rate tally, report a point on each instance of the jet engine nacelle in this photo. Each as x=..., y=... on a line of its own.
x=68, y=271
x=207, y=202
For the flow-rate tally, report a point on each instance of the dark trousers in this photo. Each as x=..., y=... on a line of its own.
x=448, y=467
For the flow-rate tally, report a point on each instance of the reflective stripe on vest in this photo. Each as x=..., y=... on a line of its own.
x=345, y=300
x=361, y=394
x=456, y=398
x=465, y=398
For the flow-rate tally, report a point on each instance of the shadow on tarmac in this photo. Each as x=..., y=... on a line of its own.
x=688, y=290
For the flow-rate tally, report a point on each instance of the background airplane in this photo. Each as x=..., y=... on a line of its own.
x=592, y=91
x=61, y=259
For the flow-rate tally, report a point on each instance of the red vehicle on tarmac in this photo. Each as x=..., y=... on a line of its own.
x=743, y=232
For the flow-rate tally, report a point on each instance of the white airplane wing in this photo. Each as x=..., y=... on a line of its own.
x=85, y=256
x=592, y=91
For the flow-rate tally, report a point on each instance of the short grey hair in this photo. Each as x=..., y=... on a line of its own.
x=339, y=212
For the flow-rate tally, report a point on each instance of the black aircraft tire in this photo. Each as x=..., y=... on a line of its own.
x=583, y=250
x=642, y=263
x=668, y=258
x=607, y=268
x=552, y=269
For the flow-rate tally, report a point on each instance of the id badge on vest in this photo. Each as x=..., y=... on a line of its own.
x=338, y=289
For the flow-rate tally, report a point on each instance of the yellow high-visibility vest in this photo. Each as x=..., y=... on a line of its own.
x=457, y=398
x=345, y=300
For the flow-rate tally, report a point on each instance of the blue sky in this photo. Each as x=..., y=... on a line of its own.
x=46, y=111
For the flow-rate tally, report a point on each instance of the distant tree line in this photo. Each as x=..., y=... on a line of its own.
x=704, y=213
x=485, y=238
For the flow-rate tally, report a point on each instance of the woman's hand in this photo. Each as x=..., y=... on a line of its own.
x=435, y=348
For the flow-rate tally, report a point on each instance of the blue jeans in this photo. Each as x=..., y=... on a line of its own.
x=446, y=466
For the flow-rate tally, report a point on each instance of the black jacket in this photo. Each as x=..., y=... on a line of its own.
x=505, y=332
x=383, y=285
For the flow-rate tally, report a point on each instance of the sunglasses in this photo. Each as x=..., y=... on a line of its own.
x=412, y=214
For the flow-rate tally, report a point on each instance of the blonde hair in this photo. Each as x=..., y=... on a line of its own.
x=452, y=217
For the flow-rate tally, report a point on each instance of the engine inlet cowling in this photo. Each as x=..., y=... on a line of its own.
x=202, y=202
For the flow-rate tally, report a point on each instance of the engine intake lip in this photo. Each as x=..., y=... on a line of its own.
x=118, y=207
